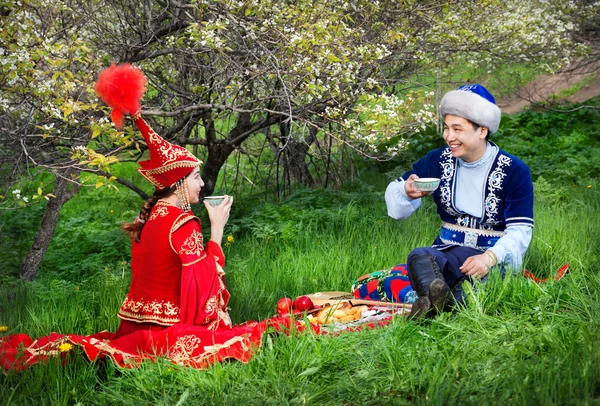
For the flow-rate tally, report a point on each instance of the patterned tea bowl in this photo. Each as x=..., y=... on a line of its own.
x=427, y=184
x=214, y=200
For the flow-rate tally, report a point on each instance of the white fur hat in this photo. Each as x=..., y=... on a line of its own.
x=474, y=103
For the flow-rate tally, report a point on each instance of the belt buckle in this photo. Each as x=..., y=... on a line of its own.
x=471, y=239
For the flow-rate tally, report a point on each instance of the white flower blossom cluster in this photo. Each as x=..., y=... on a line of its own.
x=206, y=34
x=516, y=30
x=381, y=124
x=44, y=63
x=324, y=57
x=17, y=195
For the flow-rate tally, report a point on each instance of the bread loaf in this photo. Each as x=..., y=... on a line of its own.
x=342, y=312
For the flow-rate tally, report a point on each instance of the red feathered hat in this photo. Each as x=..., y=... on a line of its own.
x=122, y=87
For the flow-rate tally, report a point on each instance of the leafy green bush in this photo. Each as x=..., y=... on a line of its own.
x=560, y=146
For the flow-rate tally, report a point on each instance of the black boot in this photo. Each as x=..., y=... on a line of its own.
x=440, y=295
x=427, y=280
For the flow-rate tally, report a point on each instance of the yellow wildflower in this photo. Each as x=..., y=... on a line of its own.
x=64, y=347
x=3, y=329
x=589, y=186
x=230, y=238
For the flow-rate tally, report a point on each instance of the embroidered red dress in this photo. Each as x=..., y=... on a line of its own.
x=175, y=278
x=177, y=303
x=176, y=307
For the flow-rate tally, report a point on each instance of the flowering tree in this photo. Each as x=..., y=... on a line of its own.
x=307, y=76
x=49, y=116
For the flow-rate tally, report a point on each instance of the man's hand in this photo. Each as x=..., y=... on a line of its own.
x=478, y=266
x=410, y=189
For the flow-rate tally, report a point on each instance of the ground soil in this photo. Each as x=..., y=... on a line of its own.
x=546, y=87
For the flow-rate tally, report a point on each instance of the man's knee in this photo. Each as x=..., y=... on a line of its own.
x=419, y=251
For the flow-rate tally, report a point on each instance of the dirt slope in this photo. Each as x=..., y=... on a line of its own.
x=545, y=86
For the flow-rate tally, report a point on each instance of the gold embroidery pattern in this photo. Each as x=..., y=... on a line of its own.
x=214, y=325
x=149, y=173
x=159, y=212
x=212, y=304
x=165, y=203
x=194, y=261
x=242, y=339
x=184, y=348
x=164, y=312
x=181, y=220
x=169, y=151
x=222, y=313
x=192, y=245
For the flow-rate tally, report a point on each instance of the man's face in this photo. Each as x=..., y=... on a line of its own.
x=464, y=140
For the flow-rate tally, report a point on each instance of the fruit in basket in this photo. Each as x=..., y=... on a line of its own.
x=284, y=305
x=303, y=303
x=342, y=312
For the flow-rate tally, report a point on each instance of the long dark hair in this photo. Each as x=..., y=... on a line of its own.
x=134, y=230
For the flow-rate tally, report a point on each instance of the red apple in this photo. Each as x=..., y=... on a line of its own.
x=303, y=303
x=284, y=305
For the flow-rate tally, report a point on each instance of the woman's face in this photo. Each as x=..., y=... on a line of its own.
x=194, y=185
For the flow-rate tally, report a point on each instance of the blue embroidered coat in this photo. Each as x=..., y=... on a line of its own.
x=507, y=198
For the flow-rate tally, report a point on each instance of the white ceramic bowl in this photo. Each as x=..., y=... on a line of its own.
x=214, y=200
x=427, y=184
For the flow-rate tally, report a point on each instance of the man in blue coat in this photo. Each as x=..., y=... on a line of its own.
x=485, y=202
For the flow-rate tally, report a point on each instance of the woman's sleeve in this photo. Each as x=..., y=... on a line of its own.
x=214, y=249
x=204, y=297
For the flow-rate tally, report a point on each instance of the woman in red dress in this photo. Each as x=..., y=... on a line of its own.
x=176, y=306
x=175, y=277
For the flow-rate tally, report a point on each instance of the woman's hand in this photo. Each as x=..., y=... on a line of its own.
x=218, y=216
x=410, y=189
x=478, y=266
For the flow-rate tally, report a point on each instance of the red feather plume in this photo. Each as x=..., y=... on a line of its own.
x=121, y=87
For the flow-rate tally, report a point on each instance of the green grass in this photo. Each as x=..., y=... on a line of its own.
x=514, y=342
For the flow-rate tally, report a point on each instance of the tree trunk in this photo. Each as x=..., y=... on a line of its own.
x=218, y=152
x=217, y=156
x=295, y=156
x=63, y=190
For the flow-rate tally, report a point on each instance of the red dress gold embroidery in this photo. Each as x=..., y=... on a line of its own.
x=177, y=302
x=169, y=256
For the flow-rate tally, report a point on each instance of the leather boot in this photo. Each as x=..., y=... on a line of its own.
x=429, y=284
x=440, y=295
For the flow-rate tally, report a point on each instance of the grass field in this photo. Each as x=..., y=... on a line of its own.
x=514, y=342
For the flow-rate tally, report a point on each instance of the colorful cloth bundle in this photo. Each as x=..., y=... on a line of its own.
x=389, y=285
x=393, y=285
